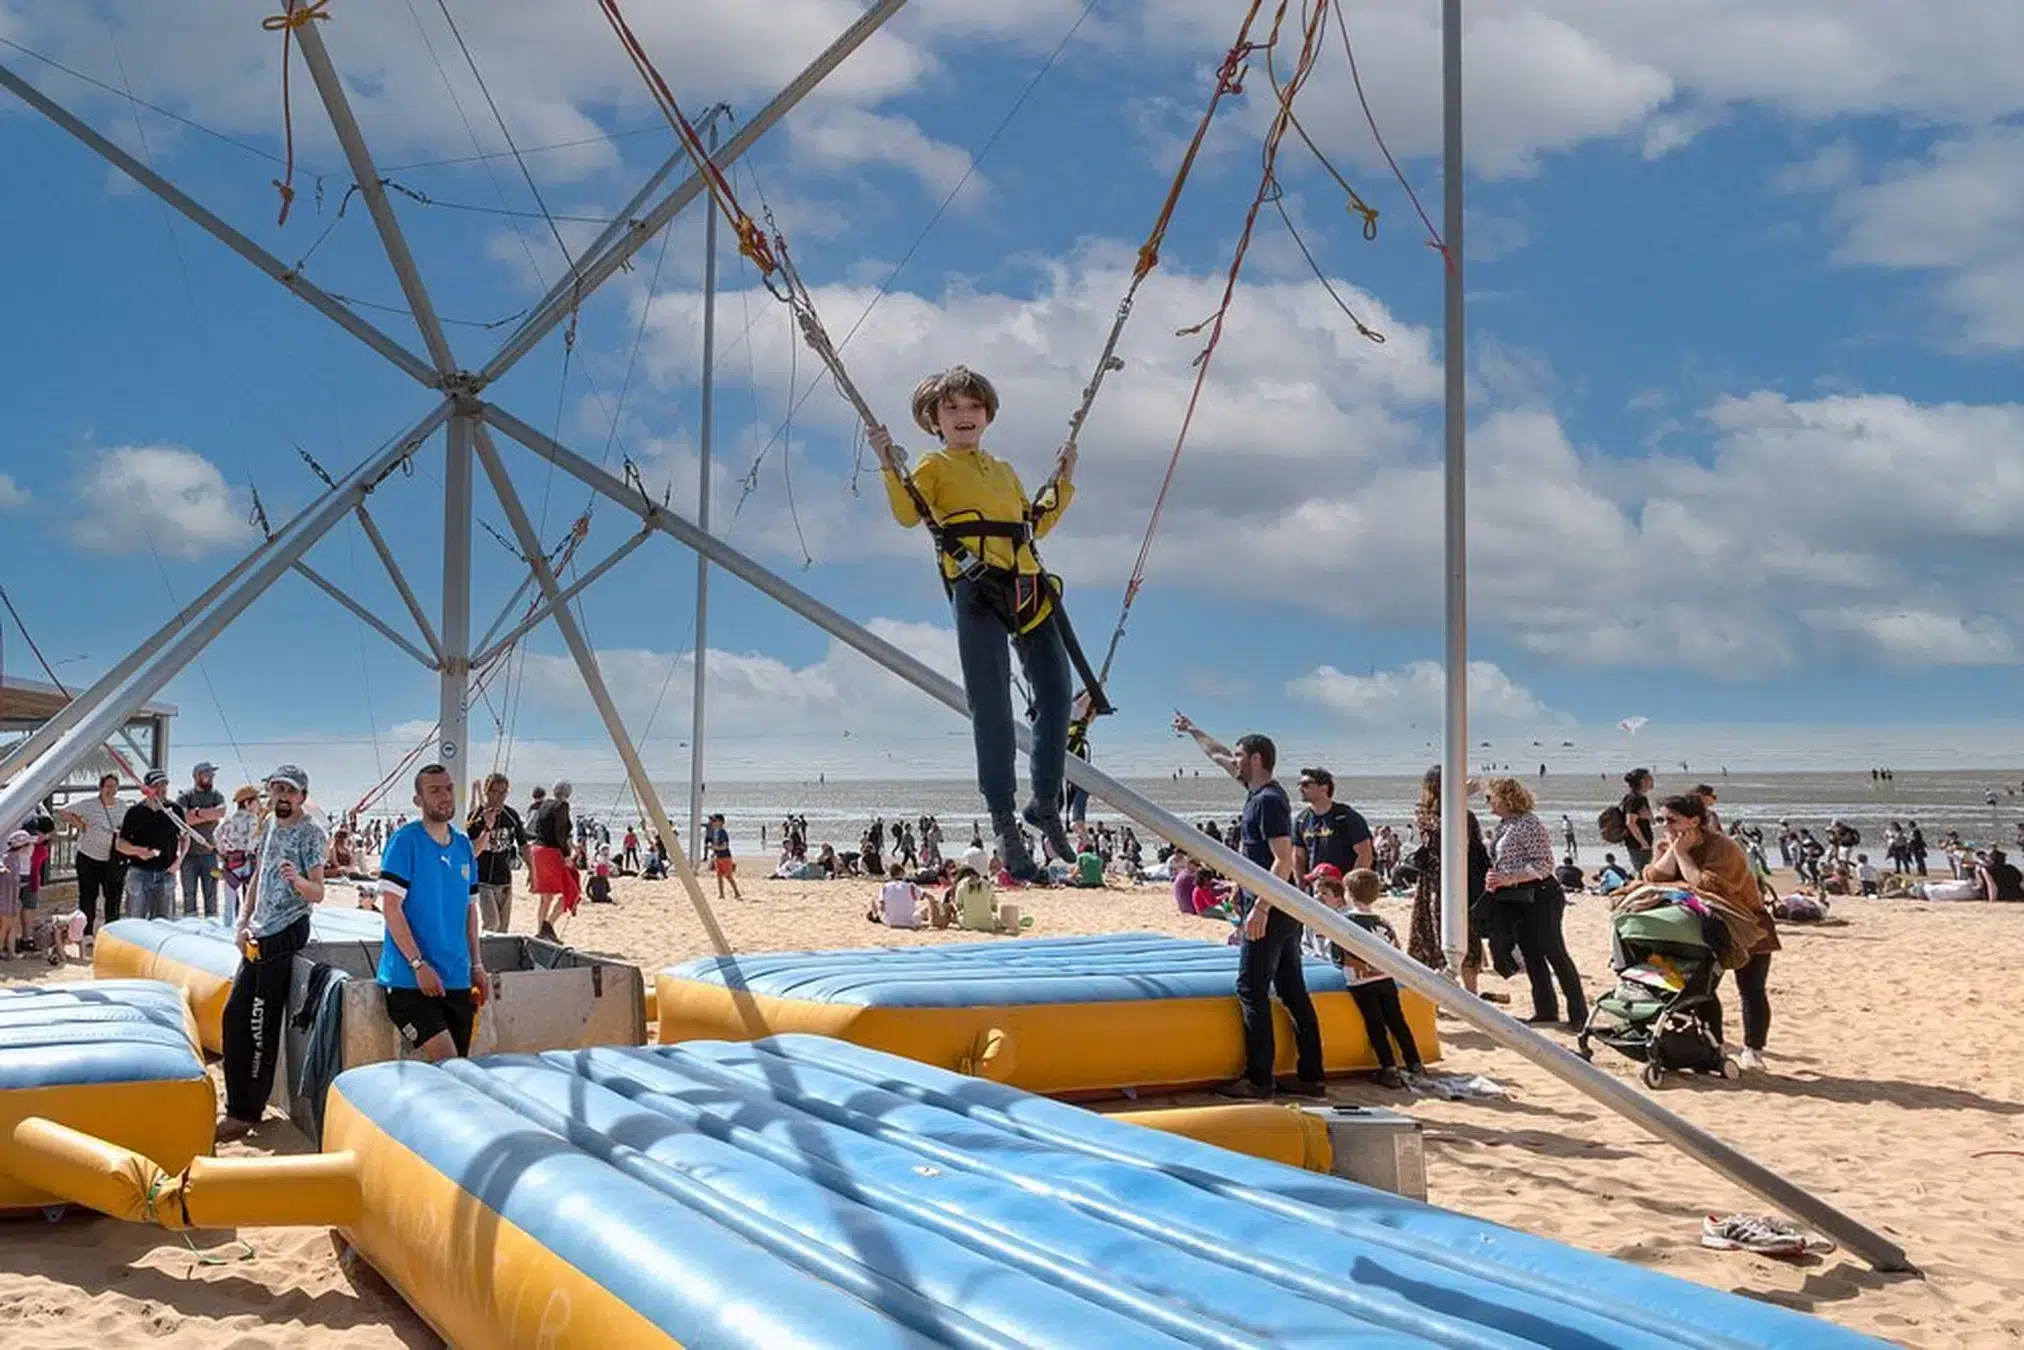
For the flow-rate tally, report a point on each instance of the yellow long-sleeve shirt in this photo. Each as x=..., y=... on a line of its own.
x=969, y=485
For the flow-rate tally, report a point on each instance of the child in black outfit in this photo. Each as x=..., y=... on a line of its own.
x=1376, y=994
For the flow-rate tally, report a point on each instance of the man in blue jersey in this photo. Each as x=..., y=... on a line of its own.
x=430, y=962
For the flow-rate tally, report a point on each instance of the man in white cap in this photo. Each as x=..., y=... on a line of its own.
x=202, y=806
x=151, y=839
x=273, y=926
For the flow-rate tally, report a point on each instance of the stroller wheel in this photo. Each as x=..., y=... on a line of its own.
x=1653, y=1075
x=1731, y=1070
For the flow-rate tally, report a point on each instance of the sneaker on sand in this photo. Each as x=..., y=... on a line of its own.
x=1751, y=1060
x=1301, y=1087
x=1390, y=1078
x=1759, y=1233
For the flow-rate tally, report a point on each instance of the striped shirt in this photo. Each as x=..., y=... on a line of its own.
x=1520, y=847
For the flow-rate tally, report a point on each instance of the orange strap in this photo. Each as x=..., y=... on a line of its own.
x=751, y=239
x=297, y=15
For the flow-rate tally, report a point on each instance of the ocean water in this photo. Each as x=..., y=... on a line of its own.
x=839, y=811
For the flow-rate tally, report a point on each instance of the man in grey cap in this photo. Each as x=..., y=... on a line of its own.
x=273, y=926
x=202, y=806
x=150, y=839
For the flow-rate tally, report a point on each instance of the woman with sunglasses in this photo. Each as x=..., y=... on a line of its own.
x=1716, y=866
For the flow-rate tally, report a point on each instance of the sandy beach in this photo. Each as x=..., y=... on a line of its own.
x=1896, y=1089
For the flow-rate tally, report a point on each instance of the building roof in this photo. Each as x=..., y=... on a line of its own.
x=29, y=703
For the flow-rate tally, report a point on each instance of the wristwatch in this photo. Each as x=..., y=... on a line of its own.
x=417, y=963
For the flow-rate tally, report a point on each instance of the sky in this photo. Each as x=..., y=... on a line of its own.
x=1745, y=285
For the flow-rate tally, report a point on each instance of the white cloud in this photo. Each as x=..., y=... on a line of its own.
x=841, y=139
x=1956, y=212
x=754, y=695
x=12, y=495
x=1922, y=637
x=1417, y=693
x=131, y=496
x=1316, y=451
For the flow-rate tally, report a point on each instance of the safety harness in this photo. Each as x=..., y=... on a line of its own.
x=1021, y=602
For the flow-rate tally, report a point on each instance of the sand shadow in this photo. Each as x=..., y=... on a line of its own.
x=1844, y=1279
x=1869, y=1091
x=1546, y=1143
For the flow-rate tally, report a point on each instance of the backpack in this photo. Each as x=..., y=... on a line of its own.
x=1611, y=825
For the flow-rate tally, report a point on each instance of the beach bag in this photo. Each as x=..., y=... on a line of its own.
x=1610, y=824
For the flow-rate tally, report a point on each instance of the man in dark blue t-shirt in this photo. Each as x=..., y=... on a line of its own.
x=1328, y=832
x=429, y=963
x=1269, y=958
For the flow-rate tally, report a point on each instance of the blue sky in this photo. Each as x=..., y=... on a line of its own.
x=1745, y=280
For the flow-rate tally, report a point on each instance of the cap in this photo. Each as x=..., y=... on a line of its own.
x=290, y=775
x=1325, y=872
x=204, y=766
x=154, y=778
x=1321, y=776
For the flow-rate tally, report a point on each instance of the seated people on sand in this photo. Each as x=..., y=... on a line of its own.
x=1569, y=876
x=898, y=903
x=1999, y=877
x=1088, y=869
x=430, y=963
x=1612, y=878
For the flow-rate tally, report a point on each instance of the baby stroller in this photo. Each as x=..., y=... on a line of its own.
x=1663, y=1011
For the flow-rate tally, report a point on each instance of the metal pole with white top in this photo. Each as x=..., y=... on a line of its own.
x=1584, y=1077
x=1455, y=553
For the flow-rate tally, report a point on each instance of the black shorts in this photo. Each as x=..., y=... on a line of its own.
x=420, y=1019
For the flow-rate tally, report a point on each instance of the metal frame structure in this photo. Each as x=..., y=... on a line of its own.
x=101, y=711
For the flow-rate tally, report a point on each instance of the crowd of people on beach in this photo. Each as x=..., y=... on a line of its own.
x=259, y=861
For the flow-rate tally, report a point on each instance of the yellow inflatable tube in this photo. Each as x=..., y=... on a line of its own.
x=1275, y=1133
x=318, y=1190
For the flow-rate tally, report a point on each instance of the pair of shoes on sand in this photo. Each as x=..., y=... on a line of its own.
x=1244, y=1090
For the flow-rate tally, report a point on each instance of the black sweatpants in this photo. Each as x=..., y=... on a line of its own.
x=95, y=878
x=255, y=1016
x=1270, y=965
x=1751, y=980
x=1543, y=944
x=1385, y=1019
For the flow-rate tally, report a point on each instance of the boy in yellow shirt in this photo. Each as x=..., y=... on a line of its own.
x=973, y=504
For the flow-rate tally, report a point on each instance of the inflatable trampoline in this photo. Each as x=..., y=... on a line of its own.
x=116, y=1059
x=1057, y=1015
x=800, y=1191
x=199, y=957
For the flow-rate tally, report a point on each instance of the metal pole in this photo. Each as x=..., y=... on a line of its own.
x=1455, y=730
x=572, y=290
x=331, y=88
x=386, y=556
x=453, y=709
x=374, y=621
x=1612, y=1092
x=225, y=234
x=493, y=650
x=593, y=683
x=707, y=430
x=111, y=712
